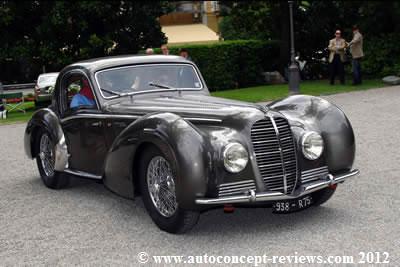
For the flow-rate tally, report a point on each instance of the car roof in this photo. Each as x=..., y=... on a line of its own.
x=96, y=64
x=49, y=74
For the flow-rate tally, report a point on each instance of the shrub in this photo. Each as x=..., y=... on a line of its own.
x=232, y=64
x=381, y=55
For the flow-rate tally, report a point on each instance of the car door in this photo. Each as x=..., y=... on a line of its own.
x=84, y=131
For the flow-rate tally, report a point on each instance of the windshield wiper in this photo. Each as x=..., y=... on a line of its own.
x=159, y=85
x=113, y=92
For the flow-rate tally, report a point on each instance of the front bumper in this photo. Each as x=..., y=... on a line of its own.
x=305, y=189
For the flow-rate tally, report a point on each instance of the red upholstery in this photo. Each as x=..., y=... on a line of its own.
x=85, y=90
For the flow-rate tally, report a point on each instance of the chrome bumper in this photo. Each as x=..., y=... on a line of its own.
x=252, y=196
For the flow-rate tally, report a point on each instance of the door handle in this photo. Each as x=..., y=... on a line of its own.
x=96, y=124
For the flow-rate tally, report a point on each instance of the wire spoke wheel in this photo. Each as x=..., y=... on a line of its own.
x=46, y=155
x=161, y=186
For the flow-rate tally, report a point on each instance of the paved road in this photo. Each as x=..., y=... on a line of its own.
x=87, y=224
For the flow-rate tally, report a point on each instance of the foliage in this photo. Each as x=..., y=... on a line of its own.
x=315, y=23
x=381, y=55
x=246, y=20
x=56, y=33
x=231, y=64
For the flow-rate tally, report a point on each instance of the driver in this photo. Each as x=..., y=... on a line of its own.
x=85, y=96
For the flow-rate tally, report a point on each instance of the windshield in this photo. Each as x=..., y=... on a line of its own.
x=47, y=79
x=147, y=78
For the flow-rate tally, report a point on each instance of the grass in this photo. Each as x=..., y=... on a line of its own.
x=273, y=92
x=18, y=116
x=251, y=94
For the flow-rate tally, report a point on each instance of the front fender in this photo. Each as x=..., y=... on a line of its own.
x=46, y=119
x=307, y=113
x=174, y=136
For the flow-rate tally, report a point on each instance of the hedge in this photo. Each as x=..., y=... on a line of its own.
x=232, y=64
x=381, y=55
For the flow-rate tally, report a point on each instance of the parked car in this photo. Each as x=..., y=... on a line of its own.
x=44, y=87
x=147, y=125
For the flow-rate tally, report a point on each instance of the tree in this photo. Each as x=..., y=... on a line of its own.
x=315, y=22
x=56, y=33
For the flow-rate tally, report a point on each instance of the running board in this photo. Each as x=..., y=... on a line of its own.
x=83, y=174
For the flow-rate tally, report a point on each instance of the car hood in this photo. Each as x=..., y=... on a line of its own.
x=193, y=106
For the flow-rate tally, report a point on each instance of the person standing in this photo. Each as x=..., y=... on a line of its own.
x=336, y=49
x=165, y=50
x=149, y=51
x=357, y=53
x=183, y=52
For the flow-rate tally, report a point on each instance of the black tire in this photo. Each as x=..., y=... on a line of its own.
x=56, y=180
x=322, y=196
x=182, y=220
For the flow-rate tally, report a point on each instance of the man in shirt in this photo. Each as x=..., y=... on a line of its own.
x=164, y=50
x=336, y=49
x=356, y=50
x=85, y=96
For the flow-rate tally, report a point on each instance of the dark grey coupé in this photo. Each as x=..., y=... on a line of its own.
x=147, y=125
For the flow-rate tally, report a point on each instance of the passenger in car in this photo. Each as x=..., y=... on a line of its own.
x=84, y=97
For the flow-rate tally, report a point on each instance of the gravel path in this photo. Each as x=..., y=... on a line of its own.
x=87, y=224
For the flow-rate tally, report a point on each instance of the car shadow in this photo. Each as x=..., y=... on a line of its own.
x=213, y=223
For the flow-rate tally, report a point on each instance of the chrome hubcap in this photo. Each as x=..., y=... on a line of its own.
x=161, y=186
x=46, y=155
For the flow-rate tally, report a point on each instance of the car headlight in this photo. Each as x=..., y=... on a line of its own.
x=312, y=145
x=235, y=157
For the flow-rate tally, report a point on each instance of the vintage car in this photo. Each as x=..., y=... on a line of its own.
x=43, y=88
x=147, y=125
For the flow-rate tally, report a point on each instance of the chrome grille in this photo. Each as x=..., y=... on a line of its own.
x=275, y=153
x=235, y=188
x=314, y=174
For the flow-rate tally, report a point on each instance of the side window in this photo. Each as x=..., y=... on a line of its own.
x=77, y=93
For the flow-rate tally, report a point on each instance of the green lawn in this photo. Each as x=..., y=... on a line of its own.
x=272, y=92
x=251, y=94
x=18, y=116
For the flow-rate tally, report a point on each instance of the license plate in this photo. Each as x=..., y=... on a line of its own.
x=287, y=206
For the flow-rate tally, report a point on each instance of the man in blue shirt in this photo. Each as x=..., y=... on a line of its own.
x=85, y=96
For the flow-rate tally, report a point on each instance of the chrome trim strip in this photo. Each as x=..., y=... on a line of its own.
x=149, y=91
x=117, y=116
x=314, y=174
x=238, y=189
x=83, y=174
x=235, y=187
x=281, y=154
x=99, y=116
x=235, y=183
x=252, y=196
x=314, y=170
x=202, y=119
